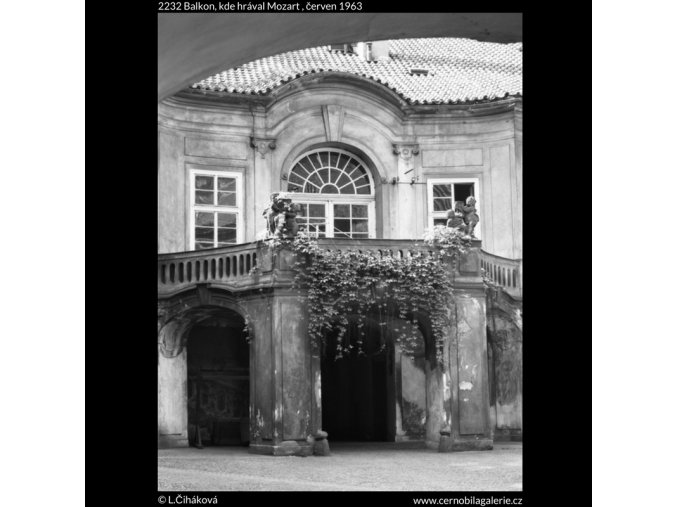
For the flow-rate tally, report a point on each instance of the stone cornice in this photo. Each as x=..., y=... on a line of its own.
x=218, y=101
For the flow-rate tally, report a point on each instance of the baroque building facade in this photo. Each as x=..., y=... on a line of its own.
x=376, y=142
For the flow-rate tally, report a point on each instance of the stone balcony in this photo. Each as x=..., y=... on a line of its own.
x=229, y=267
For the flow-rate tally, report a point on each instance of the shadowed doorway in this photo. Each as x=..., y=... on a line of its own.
x=218, y=381
x=358, y=390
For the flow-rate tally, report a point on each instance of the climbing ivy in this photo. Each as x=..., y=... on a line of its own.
x=345, y=288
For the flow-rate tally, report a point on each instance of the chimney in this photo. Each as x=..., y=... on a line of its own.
x=372, y=51
x=380, y=50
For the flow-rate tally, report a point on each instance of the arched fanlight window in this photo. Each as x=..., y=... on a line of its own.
x=330, y=171
x=336, y=194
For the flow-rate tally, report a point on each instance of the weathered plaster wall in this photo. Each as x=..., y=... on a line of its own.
x=261, y=375
x=471, y=389
x=172, y=395
x=412, y=403
x=504, y=335
x=212, y=135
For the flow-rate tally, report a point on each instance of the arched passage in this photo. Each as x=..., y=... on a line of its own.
x=194, y=324
x=358, y=390
x=218, y=380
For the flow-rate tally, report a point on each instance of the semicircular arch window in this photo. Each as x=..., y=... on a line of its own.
x=336, y=193
x=330, y=172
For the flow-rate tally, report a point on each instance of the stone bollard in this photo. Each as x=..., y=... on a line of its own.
x=320, y=444
x=445, y=440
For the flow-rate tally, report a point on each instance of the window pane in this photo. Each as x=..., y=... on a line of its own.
x=439, y=221
x=359, y=211
x=204, y=234
x=295, y=178
x=204, y=219
x=362, y=180
x=441, y=190
x=344, y=180
x=204, y=182
x=324, y=175
x=316, y=210
x=315, y=229
x=342, y=210
x=294, y=188
x=463, y=190
x=442, y=204
x=202, y=197
x=315, y=179
x=303, y=211
x=227, y=219
x=359, y=235
x=227, y=199
x=360, y=226
x=366, y=189
x=300, y=170
x=227, y=184
x=227, y=235
x=342, y=225
x=330, y=189
x=201, y=246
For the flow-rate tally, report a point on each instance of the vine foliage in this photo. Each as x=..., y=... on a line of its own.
x=349, y=290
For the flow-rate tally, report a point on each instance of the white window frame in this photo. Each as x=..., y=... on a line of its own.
x=329, y=208
x=330, y=199
x=432, y=214
x=237, y=209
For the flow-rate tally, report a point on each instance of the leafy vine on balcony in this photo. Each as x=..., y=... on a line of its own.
x=345, y=288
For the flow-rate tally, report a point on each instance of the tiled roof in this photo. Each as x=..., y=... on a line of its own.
x=460, y=70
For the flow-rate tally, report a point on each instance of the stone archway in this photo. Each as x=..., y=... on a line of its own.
x=179, y=318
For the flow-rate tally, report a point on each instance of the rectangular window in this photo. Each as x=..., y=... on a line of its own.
x=331, y=219
x=216, y=209
x=445, y=194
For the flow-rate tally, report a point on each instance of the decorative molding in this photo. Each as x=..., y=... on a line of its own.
x=262, y=144
x=406, y=150
x=332, y=117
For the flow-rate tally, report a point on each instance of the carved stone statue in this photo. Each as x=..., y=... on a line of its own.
x=455, y=219
x=281, y=216
x=271, y=212
x=471, y=218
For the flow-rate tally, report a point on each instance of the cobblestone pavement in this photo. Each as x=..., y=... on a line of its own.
x=351, y=467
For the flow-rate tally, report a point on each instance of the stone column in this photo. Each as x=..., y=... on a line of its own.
x=468, y=368
x=458, y=417
x=284, y=402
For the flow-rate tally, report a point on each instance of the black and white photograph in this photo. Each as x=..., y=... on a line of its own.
x=339, y=268
x=334, y=202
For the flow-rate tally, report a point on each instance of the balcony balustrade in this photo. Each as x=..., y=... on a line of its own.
x=229, y=267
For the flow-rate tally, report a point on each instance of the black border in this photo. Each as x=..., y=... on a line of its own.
x=121, y=162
